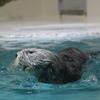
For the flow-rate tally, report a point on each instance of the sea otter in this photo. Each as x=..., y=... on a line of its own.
x=48, y=67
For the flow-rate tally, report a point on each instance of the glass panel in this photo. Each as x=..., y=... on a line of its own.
x=72, y=7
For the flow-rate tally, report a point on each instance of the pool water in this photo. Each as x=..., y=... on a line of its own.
x=18, y=85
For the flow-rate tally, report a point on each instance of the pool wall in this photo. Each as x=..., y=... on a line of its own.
x=47, y=10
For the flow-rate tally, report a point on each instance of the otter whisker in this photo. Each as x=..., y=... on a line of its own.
x=13, y=65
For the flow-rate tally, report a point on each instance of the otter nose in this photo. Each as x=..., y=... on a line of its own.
x=16, y=55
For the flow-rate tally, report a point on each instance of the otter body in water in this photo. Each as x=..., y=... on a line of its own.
x=49, y=67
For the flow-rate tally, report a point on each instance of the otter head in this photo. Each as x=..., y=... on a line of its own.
x=34, y=61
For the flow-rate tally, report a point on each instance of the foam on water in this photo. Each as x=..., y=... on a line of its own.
x=52, y=32
x=11, y=33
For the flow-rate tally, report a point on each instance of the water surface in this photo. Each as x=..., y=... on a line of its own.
x=19, y=85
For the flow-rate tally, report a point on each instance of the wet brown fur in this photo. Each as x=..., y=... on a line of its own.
x=70, y=67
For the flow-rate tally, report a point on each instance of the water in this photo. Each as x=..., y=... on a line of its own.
x=18, y=85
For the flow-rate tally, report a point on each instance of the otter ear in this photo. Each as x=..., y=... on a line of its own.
x=47, y=62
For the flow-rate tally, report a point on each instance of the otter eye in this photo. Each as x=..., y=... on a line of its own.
x=31, y=52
